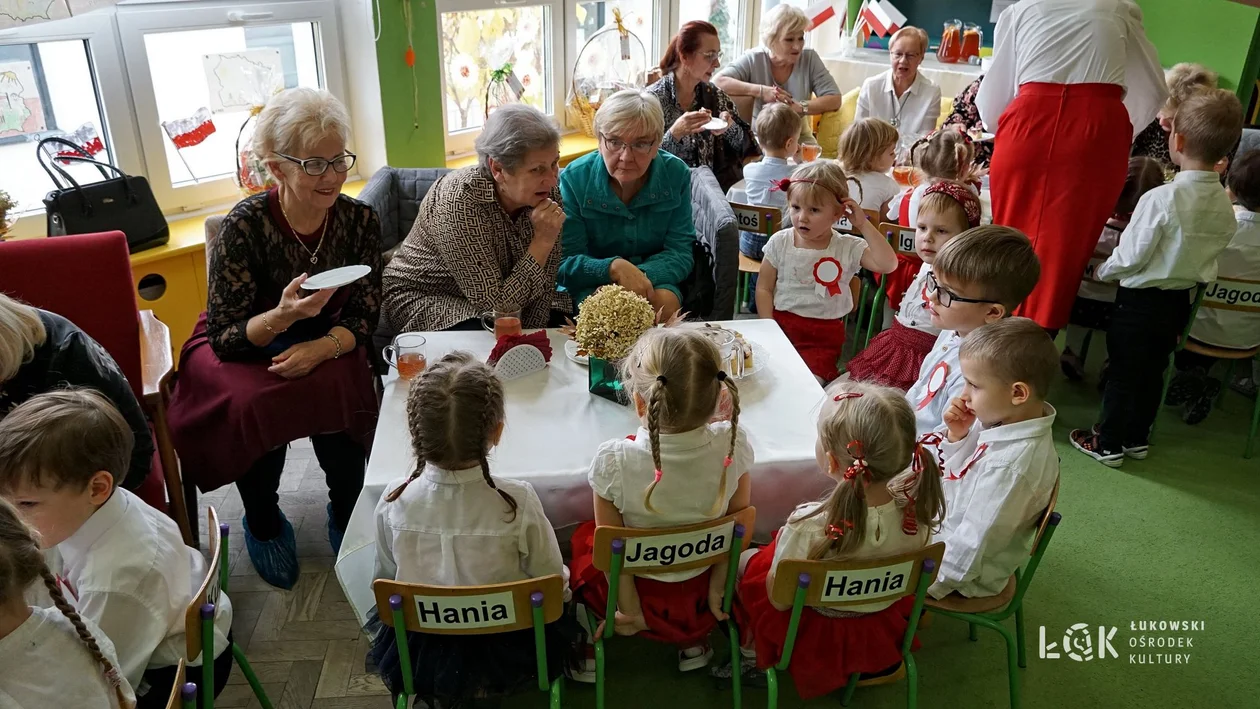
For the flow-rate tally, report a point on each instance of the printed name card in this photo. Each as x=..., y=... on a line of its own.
x=454, y=612
x=668, y=549
x=904, y=241
x=866, y=584
x=843, y=224
x=1091, y=268
x=1232, y=295
x=750, y=219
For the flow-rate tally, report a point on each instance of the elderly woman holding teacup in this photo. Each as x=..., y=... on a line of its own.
x=903, y=96
x=487, y=236
x=276, y=358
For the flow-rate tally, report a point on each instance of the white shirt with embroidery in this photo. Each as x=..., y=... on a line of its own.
x=814, y=283
x=997, y=482
x=45, y=664
x=940, y=380
x=914, y=311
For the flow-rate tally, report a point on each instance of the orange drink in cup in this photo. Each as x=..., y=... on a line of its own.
x=810, y=151
x=503, y=321
x=406, y=354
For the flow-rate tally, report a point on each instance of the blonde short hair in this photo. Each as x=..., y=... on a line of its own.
x=864, y=141
x=781, y=21
x=1185, y=80
x=21, y=331
x=998, y=260
x=1014, y=350
x=819, y=182
x=776, y=125
x=631, y=113
x=911, y=32
x=296, y=119
x=1211, y=122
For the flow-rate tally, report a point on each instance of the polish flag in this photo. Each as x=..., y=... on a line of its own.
x=85, y=136
x=819, y=13
x=187, y=132
x=883, y=17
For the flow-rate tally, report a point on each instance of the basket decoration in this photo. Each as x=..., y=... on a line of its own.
x=613, y=59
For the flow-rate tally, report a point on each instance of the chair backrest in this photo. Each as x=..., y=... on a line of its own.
x=839, y=584
x=177, y=689
x=214, y=224
x=844, y=225
x=1045, y=516
x=85, y=278
x=758, y=219
x=715, y=227
x=470, y=610
x=693, y=546
x=902, y=237
x=395, y=194
x=1232, y=294
x=207, y=597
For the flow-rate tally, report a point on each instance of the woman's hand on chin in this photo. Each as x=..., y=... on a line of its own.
x=302, y=359
x=628, y=276
x=548, y=220
x=293, y=307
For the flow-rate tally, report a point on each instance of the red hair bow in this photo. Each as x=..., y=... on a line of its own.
x=962, y=195
x=835, y=531
x=847, y=395
x=858, y=466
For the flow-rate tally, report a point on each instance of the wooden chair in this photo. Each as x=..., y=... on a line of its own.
x=178, y=699
x=527, y=604
x=199, y=617
x=755, y=219
x=807, y=583
x=991, y=611
x=610, y=557
x=902, y=239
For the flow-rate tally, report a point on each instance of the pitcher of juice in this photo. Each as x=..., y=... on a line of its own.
x=950, y=50
x=972, y=38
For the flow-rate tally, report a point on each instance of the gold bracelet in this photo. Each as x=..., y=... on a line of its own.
x=268, y=327
x=336, y=341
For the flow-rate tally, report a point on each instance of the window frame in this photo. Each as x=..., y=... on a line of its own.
x=136, y=19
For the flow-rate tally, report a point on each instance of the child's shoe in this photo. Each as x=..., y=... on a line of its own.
x=896, y=673
x=1071, y=365
x=1090, y=444
x=750, y=675
x=1245, y=386
x=694, y=658
x=1185, y=386
x=335, y=535
x=1200, y=406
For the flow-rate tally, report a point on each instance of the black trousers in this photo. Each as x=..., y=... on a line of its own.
x=1144, y=330
x=161, y=680
x=344, y=462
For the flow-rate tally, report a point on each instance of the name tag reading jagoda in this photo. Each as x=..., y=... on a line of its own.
x=670, y=549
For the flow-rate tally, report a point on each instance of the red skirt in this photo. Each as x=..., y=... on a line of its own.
x=827, y=650
x=819, y=342
x=893, y=358
x=225, y=415
x=896, y=283
x=677, y=613
x=1059, y=165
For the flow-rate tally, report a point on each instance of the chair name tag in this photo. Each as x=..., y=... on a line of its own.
x=1091, y=268
x=668, y=549
x=843, y=224
x=1236, y=293
x=866, y=584
x=488, y=611
x=749, y=219
x=905, y=241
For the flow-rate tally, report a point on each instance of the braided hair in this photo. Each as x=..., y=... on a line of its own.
x=453, y=410
x=21, y=563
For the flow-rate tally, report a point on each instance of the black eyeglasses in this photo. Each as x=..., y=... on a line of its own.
x=948, y=297
x=318, y=166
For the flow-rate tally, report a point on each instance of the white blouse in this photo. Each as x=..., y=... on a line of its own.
x=877, y=188
x=915, y=112
x=798, y=290
x=930, y=395
x=914, y=311
x=46, y=664
x=1239, y=260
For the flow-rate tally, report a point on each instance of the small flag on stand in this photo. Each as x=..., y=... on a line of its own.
x=87, y=138
x=187, y=132
x=882, y=17
x=819, y=13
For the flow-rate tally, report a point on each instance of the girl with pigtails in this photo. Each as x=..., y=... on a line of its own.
x=452, y=523
x=50, y=656
x=678, y=469
x=887, y=501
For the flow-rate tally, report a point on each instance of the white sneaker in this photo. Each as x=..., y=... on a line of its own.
x=694, y=658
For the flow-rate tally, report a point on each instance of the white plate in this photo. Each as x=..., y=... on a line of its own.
x=336, y=278
x=571, y=351
x=714, y=124
x=985, y=137
x=761, y=358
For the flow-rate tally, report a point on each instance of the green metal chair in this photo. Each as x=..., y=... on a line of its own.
x=533, y=604
x=199, y=618
x=902, y=240
x=992, y=611
x=754, y=219
x=610, y=557
x=806, y=583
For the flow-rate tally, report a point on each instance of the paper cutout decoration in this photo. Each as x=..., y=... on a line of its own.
x=936, y=383
x=520, y=361
x=819, y=13
x=827, y=273
x=187, y=132
x=239, y=81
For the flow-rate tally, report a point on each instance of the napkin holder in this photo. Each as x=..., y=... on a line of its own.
x=520, y=361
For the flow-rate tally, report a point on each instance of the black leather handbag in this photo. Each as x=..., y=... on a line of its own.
x=120, y=202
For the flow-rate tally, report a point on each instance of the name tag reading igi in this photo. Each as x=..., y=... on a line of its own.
x=669, y=549
x=452, y=612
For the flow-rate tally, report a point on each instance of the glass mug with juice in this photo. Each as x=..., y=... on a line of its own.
x=406, y=354
x=810, y=151
x=503, y=321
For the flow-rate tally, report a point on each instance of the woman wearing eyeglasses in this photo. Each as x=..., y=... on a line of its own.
x=271, y=362
x=628, y=208
x=902, y=96
x=689, y=101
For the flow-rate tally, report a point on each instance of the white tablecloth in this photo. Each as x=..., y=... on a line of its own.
x=554, y=425
x=850, y=71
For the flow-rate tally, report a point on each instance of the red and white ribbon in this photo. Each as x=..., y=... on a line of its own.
x=970, y=461
x=936, y=383
x=827, y=273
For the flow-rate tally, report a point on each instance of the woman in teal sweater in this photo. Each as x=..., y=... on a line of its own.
x=628, y=208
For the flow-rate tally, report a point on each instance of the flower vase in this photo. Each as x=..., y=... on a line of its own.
x=604, y=381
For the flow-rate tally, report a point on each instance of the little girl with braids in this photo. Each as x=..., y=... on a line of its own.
x=679, y=469
x=451, y=523
x=887, y=501
x=49, y=656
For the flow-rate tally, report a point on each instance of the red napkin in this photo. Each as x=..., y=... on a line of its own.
x=537, y=339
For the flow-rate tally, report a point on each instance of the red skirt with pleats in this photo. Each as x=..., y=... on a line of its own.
x=819, y=342
x=677, y=613
x=1059, y=165
x=893, y=357
x=827, y=650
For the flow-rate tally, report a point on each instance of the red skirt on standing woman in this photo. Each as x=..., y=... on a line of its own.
x=1059, y=164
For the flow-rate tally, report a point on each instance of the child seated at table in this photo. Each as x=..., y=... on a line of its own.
x=893, y=358
x=678, y=469
x=52, y=657
x=778, y=130
x=868, y=149
x=1095, y=300
x=1192, y=388
x=804, y=277
x=979, y=277
x=451, y=523
x=886, y=501
x=62, y=454
x=1000, y=462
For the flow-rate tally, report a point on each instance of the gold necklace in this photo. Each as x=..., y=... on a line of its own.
x=322, y=231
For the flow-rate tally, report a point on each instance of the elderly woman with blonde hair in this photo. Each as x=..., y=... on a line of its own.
x=628, y=208
x=271, y=361
x=903, y=96
x=1184, y=80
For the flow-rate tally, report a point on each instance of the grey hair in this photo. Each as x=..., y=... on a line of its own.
x=631, y=113
x=782, y=20
x=296, y=119
x=21, y=331
x=512, y=132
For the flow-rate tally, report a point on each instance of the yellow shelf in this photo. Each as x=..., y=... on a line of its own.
x=572, y=147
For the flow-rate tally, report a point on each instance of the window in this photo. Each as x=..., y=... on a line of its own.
x=637, y=15
x=726, y=15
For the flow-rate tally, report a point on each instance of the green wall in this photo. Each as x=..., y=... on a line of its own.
x=410, y=142
x=1217, y=33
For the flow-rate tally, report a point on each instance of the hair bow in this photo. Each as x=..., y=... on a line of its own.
x=859, y=465
x=962, y=195
x=847, y=395
x=782, y=185
x=835, y=531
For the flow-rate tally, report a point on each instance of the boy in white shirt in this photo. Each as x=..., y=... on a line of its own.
x=125, y=564
x=1169, y=247
x=1192, y=388
x=1000, y=463
x=978, y=277
x=778, y=130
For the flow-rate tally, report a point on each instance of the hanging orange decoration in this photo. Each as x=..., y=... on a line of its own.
x=410, y=56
